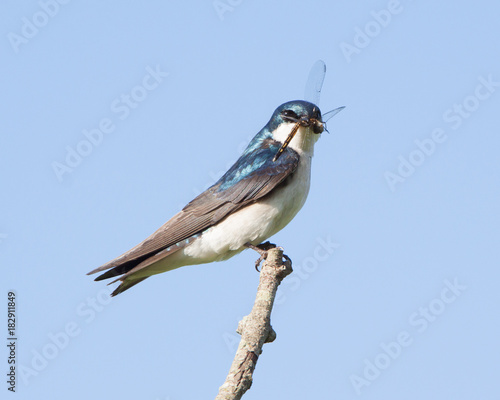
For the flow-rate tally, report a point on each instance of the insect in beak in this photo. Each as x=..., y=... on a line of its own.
x=318, y=126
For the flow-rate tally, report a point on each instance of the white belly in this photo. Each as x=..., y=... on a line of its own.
x=256, y=222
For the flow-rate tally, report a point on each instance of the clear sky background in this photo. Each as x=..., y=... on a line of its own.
x=396, y=286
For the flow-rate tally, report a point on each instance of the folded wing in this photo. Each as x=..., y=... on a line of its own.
x=251, y=178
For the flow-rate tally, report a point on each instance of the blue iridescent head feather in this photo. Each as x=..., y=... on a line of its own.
x=300, y=107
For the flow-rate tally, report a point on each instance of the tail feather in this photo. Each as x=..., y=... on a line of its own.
x=126, y=271
x=120, y=269
x=125, y=285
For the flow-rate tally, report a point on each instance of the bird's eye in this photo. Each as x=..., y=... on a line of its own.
x=289, y=115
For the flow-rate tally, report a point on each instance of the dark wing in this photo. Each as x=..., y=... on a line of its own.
x=252, y=177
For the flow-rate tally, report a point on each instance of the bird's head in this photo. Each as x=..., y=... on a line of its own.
x=297, y=124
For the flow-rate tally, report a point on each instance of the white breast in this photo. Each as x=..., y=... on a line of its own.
x=257, y=222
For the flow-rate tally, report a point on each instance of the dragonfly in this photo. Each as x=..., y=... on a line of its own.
x=312, y=94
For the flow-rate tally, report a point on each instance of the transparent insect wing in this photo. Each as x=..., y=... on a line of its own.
x=315, y=82
x=332, y=113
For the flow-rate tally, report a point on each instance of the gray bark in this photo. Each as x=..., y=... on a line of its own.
x=255, y=329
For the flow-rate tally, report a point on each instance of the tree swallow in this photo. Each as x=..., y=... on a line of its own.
x=257, y=197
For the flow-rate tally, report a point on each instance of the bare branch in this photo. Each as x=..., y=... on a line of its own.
x=255, y=329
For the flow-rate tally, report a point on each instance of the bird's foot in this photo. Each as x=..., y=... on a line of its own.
x=262, y=250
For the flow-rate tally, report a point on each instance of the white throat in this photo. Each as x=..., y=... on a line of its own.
x=303, y=141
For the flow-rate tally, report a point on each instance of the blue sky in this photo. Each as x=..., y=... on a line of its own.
x=116, y=114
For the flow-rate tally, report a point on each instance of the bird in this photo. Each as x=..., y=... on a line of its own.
x=256, y=198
